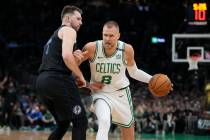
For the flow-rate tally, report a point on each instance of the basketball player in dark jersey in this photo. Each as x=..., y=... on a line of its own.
x=55, y=84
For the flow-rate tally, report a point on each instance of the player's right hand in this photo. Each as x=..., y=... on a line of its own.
x=172, y=85
x=81, y=82
x=95, y=86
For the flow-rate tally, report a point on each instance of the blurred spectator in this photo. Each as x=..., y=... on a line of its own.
x=10, y=99
x=34, y=116
x=47, y=120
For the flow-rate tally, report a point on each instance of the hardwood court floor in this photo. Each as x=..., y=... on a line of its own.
x=41, y=135
x=37, y=135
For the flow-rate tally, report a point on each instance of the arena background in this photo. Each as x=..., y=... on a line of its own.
x=148, y=25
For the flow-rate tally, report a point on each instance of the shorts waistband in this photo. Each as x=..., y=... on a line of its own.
x=122, y=88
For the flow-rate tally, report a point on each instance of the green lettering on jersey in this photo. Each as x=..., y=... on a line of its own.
x=112, y=68
x=106, y=79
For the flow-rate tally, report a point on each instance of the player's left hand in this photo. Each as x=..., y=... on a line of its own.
x=80, y=56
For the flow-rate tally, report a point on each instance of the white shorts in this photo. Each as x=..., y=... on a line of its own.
x=120, y=104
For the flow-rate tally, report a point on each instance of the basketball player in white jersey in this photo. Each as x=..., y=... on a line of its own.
x=109, y=58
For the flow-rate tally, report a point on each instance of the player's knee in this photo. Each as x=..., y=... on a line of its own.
x=63, y=125
x=104, y=122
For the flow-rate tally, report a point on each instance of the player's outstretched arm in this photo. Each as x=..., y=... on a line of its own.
x=80, y=56
x=133, y=70
x=87, y=52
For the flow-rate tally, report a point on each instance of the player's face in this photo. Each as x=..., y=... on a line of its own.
x=76, y=20
x=110, y=37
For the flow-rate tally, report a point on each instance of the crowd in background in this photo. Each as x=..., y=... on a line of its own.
x=26, y=25
x=20, y=109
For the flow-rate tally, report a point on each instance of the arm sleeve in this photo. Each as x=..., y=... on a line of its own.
x=138, y=74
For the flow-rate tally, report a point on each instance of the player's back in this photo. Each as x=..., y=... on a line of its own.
x=52, y=59
x=109, y=70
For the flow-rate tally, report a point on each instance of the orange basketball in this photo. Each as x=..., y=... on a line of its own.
x=160, y=85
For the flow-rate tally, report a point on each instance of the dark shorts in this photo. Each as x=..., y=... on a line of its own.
x=60, y=95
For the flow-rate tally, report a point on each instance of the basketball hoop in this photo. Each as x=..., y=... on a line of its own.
x=193, y=62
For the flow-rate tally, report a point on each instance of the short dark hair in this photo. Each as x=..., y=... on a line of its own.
x=69, y=9
x=112, y=23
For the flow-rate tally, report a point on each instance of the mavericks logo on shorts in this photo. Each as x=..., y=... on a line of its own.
x=77, y=109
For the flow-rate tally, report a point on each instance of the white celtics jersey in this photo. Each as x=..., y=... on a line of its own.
x=109, y=70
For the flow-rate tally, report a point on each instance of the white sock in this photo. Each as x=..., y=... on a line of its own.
x=103, y=114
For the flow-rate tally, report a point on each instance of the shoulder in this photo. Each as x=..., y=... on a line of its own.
x=129, y=53
x=91, y=48
x=128, y=48
x=66, y=30
x=91, y=44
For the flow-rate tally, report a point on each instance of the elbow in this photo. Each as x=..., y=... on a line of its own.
x=132, y=75
x=66, y=56
x=68, y=59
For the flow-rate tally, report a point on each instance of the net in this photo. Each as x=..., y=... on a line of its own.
x=193, y=62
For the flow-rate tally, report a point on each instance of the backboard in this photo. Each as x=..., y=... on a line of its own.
x=187, y=45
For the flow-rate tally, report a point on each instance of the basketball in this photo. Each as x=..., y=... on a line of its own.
x=160, y=85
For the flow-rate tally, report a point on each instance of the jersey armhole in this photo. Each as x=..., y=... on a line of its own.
x=123, y=55
x=95, y=53
x=58, y=31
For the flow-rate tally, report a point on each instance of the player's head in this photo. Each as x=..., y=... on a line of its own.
x=71, y=16
x=111, y=34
